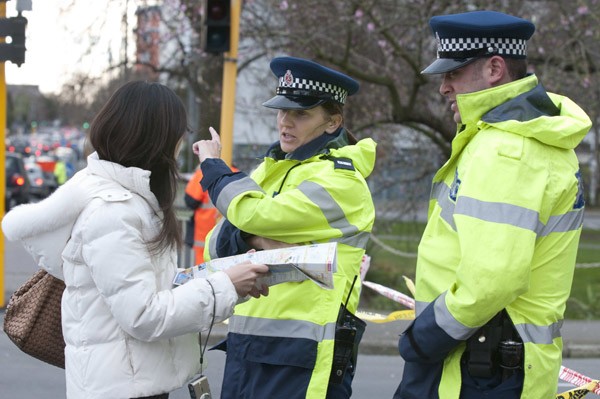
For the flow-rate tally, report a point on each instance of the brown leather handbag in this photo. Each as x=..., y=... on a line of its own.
x=33, y=318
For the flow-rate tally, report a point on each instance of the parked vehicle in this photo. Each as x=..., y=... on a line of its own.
x=17, y=181
x=42, y=183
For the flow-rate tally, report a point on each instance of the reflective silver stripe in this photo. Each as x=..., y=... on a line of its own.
x=447, y=212
x=561, y=223
x=281, y=328
x=359, y=240
x=497, y=212
x=448, y=323
x=539, y=334
x=234, y=189
x=333, y=212
x=528, y=332
x=420, y=307
x=330, y=208
x=212, y=244
x=438, y=189
x=207, y=205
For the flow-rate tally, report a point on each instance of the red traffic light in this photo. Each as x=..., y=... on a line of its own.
x=216, y=26
x=217, y=10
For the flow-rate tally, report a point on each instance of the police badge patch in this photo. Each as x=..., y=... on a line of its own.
x=454, y=188
x=288, y=78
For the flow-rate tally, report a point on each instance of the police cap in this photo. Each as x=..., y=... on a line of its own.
x=304, y=84
x=462, y=38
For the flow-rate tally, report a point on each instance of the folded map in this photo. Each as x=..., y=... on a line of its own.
x=315, y=262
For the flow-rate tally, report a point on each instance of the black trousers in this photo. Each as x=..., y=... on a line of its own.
x=494, y=387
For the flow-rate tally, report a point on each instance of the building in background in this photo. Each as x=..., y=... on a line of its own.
x=147, y=34
x=25, y=107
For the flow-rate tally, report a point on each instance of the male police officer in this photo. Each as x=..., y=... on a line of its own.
x=497, y=257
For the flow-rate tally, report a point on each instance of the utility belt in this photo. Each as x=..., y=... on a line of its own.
x=349, y=330
x=495, y=348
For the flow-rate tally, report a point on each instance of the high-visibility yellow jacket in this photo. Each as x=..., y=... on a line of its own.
x=282, y=345
x=504, y=222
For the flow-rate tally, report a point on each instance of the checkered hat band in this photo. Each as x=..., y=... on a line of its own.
x=472, y=47
x=303, y=87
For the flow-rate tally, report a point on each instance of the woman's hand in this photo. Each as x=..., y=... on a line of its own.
x=244, y=276
x=208, y=148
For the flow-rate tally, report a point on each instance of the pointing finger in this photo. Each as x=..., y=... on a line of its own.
x=214, y=134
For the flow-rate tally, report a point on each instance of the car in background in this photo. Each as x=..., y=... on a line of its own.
x=19, y=145
x=42, y=183
x=17, y=181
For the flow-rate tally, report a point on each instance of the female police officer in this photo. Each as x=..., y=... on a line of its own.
x=310, y=188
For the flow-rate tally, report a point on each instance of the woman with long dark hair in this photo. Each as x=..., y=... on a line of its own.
x=111, y=234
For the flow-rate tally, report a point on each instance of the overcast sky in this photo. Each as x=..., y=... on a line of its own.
x=55, y=41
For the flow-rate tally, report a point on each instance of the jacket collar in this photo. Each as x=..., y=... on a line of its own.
x=524, y=108
x=530, y=105
x=319, y=145
x=133, y=179
x=474, y=105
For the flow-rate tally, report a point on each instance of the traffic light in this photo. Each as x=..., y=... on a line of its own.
x=216, y=26
x=15, y=50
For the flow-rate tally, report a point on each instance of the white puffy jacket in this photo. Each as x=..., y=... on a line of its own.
x=129, y=333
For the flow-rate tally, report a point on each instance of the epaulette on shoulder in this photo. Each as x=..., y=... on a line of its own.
x=115, y=195
x=341, y=163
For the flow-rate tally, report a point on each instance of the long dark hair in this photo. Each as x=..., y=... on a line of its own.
x=141, y=126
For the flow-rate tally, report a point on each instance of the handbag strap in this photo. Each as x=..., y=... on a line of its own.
x=212, y=322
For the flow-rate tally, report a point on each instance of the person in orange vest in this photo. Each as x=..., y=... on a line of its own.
x=205, y=214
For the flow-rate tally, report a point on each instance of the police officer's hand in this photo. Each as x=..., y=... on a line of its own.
x=244, y=275
x=208, y=148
